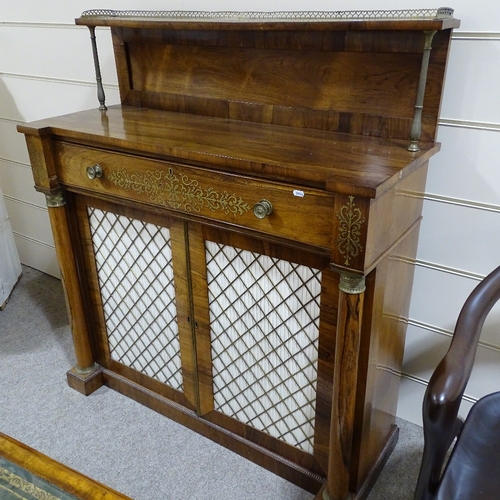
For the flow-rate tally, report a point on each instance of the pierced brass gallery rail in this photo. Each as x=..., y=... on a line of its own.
x=179, y=192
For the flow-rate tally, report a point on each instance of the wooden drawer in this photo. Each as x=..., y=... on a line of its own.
x=298, y=213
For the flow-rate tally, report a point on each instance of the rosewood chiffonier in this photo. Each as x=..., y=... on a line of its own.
x=237, y=238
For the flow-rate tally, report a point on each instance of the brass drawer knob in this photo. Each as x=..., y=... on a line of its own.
x=262, y=209
x=94, y=171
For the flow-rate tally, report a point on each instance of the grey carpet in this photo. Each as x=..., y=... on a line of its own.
x=119, y=442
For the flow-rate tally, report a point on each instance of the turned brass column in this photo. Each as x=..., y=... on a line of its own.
x=349, y=322
x=416, y=128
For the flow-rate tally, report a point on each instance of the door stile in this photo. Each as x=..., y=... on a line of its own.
x=185, y=313
x=197, y=271
x=92, y=282
x=326, y=367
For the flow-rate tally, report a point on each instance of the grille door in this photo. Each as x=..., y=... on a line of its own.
x=264, y=328
x=134, y=267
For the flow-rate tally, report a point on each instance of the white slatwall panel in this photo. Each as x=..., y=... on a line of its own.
x=467, y=165
x=21, y=215
x=460, y=237
x=469, y=90
x=37, y=254
x=12, y=143
x=14, y=178
x=43, y=64
x=48, y=70
x=36, y=46
x=25, y=101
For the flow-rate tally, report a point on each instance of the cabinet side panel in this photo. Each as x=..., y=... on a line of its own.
x=383, y=341
x=394, y=213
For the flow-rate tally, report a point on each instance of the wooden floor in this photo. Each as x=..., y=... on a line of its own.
x=58, y=474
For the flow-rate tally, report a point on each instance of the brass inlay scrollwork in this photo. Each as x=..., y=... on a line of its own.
x=179, y=192
x=348, y=241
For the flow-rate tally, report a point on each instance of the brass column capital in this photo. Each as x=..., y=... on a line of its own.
x=54, y=200
x=351, y=283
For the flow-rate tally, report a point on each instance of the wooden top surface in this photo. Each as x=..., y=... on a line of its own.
x=345, y=163
x=398, y=19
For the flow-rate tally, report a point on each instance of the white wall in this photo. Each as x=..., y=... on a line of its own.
x=46, y=69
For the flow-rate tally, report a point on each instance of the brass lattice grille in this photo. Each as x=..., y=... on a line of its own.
x=134, y=267
x=264, y=316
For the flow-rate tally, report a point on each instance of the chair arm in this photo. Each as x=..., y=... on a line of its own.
x=447, y=384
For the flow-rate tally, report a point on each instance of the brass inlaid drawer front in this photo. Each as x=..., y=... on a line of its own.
x=287, y=211
x=179, y=192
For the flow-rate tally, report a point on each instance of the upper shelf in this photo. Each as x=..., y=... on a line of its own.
x=356, y=72
x=405, y=19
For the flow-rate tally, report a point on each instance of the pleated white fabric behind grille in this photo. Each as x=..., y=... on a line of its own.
x=134, y=266
x=264, y=316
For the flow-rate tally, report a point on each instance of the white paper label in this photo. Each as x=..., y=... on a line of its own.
x=297, y=192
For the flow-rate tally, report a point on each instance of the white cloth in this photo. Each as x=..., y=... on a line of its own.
x=10, y=266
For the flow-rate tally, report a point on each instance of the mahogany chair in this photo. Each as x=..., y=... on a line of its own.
x=472, y=471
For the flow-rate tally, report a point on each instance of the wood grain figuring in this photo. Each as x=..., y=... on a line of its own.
x=85, y=384
x=344, y=393
x=387, y=302
x=185, y=317
x=42, y=168
x=363, y=492
x=201, y=317
x=326, y=366
x=69, y=277
x=95, y=310
x=401, y=208
x=214, y=195
x=348, y=82
x=198, y=235
x=333, y=40
x=329, y=93
x=343, y=163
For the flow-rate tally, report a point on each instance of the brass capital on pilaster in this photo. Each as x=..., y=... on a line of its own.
x=55, y=200
x=352, y=283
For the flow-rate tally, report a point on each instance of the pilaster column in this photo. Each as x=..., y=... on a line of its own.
x=69, y=272
x=349, y=322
